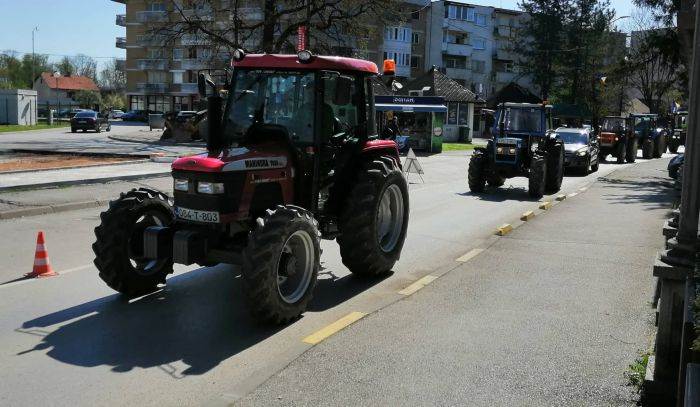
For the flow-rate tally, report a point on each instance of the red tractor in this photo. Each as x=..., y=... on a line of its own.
x=293, y=157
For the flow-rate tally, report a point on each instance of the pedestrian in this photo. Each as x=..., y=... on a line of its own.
x=391, y=131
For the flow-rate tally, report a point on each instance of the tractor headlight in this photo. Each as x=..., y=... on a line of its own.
x=582, y=152
x=499, y=150
x=534, y=145
x=211, y=188
x=181, y=185
x=511, y=151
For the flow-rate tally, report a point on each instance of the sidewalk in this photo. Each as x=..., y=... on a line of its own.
x=551, y=314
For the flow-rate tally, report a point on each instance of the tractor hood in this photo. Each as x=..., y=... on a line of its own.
x=259, y=157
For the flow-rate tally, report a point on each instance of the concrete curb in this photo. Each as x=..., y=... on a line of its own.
x=48, y=209
x=142, y=160
x=158, y=142
x=84, y=181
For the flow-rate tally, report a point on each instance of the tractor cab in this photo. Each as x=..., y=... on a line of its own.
x=679, y=127
x=615, y=137
x=518, y=128
x=651, y=137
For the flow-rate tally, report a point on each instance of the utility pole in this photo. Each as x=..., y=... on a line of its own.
x=33, y=58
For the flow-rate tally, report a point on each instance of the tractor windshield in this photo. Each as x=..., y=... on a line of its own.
x=281, y=98
x=523, y=119
x=613, y=124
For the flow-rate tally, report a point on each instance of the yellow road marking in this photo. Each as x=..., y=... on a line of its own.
x=470, y=255
x=582, y=189
x=504, y=229
x=417, y=285
x=561, y=197
x=336, y=326
x=545, y=205
x=527, y=216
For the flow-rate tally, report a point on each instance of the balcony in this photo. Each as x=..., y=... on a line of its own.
x=151, y=16
x=250, y=14
x=503, y=54
x=201, y=14
x=464, y=50
x=121, y=42
x=152, y=87
x=121, y=20
x=151, y=64
x=120, y=1
x=151, y=40
x=195, y=63
x=505, y=77
x=193, y=39
x=457, y=73
x=120, y=64
x=189, y=88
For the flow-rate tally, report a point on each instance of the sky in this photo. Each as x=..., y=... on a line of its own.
x=69, y=27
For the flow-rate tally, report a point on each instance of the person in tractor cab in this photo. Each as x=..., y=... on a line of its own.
x=391, y=131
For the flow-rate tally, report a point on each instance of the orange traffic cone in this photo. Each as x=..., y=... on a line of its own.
x=42, y=267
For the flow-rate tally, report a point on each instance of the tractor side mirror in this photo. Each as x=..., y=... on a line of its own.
x=204, y=79
x=343, y=90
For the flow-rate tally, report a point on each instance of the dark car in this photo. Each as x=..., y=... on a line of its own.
x=581, y=149
x=674, y=165
x=135, y=116
x=89, y=120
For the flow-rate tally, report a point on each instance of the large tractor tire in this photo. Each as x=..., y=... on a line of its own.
x=281, y=263
x=495, y=180
x=659, y=146
x=119, y=242
x=647, y=148
x=632, y=148
x=555, y=168
x=476, y=175
x=537, y=177
x=620, y=152
x=374, y=219
x=673, y=146
x=594, y=167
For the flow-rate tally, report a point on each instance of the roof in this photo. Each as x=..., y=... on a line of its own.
x=379, y=88
x=512, y=92
x=318, y=62
x=441, y=85
x=68, y=82
x=515, y=104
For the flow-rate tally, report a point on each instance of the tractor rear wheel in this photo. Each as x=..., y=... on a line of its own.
x=537, y=177
x=475, y=175
x=673, y=146
x=374, y=219
x=632, y=148
x=281, y=263
x=647, y=148
x=555, y=167
x=620, y=152
x=118, y=246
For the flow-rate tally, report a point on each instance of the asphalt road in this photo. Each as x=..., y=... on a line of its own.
x=61, y=139
x=70, y=340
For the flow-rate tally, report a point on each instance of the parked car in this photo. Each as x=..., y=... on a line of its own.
x=89, y=120
x=74, y=112
x=117, y=114
x=135, y=115
x=581, y=149
x=674, y=165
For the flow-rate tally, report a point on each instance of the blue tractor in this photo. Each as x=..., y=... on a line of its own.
x=524, y=144
x=652, y=138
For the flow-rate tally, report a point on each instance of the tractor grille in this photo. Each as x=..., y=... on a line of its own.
x=225, y=203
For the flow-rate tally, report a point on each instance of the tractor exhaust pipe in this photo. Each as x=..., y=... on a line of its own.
x=215, y=107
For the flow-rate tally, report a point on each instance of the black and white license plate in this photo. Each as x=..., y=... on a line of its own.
x=82, y=121
x=197, y=216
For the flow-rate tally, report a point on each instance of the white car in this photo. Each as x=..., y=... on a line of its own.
x=116, y=114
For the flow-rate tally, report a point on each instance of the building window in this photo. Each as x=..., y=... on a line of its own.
x=481, y=20
x=453, y=37
x=158, y=103
x=155, y=53
x=156, y=6
x=460, y=13
x=452, y=108
x=479, y=43
x=181, y=103
x=177, y=77
x=177, y=54
x=137, y=103
x=415, y=38
x=401, y=59
x=478, y=66
x=415, y=62
x=454, y=61
x=156, y=77
x=415, y=15
x=397, y=34
x=463, y=115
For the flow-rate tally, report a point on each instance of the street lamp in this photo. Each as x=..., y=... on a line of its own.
x=36, y=29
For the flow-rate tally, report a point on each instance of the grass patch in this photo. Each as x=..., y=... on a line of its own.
x=638, y=370
x=6, y=128
x=457, y=146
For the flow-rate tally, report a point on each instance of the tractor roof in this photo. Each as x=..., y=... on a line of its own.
x=512, y=104
x=318, y=62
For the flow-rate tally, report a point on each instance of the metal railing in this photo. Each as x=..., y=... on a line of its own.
x=159, y=64
x=151, y=16
x=120, y=42
x=121, y=20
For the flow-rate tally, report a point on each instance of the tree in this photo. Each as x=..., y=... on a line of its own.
x=18, y=72
x=114, y=101
x=88, y=98
x=112, y=78
x=333, y=26
x=65, y=67
x=84, y=66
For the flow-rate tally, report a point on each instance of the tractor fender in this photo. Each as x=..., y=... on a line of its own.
x=382, y=148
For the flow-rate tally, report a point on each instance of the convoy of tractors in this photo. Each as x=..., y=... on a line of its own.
x=293, y=157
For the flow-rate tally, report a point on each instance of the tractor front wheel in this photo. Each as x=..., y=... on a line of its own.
x=620, y=152
x=673, y=146
x=118, y=246
x=537, y=177
x=555, y=167
x=374, y=219
x=659, y=146
x=632, y=147
x=281, y=263
x=475, y=175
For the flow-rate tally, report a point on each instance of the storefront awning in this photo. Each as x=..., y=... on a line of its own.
x=391, y=107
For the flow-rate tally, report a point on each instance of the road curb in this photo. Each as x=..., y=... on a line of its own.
x=529, y=215
x=83, y=181
x=545, y=205
x=504, y=229
x=49, y=209
x=139, y=161
x=157, y=142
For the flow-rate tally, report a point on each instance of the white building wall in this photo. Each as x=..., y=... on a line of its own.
x=18, y=106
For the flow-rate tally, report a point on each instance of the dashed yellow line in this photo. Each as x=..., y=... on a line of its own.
x=560, y=197
x=504, y=229
x=470, y=255
x=417, y=285
x=336, y=326
x=527, y=216
x=545, y=205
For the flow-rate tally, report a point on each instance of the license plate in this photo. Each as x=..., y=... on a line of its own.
x=82, y=121
x=197, y=216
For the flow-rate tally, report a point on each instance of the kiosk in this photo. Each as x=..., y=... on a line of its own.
x=421, y=119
